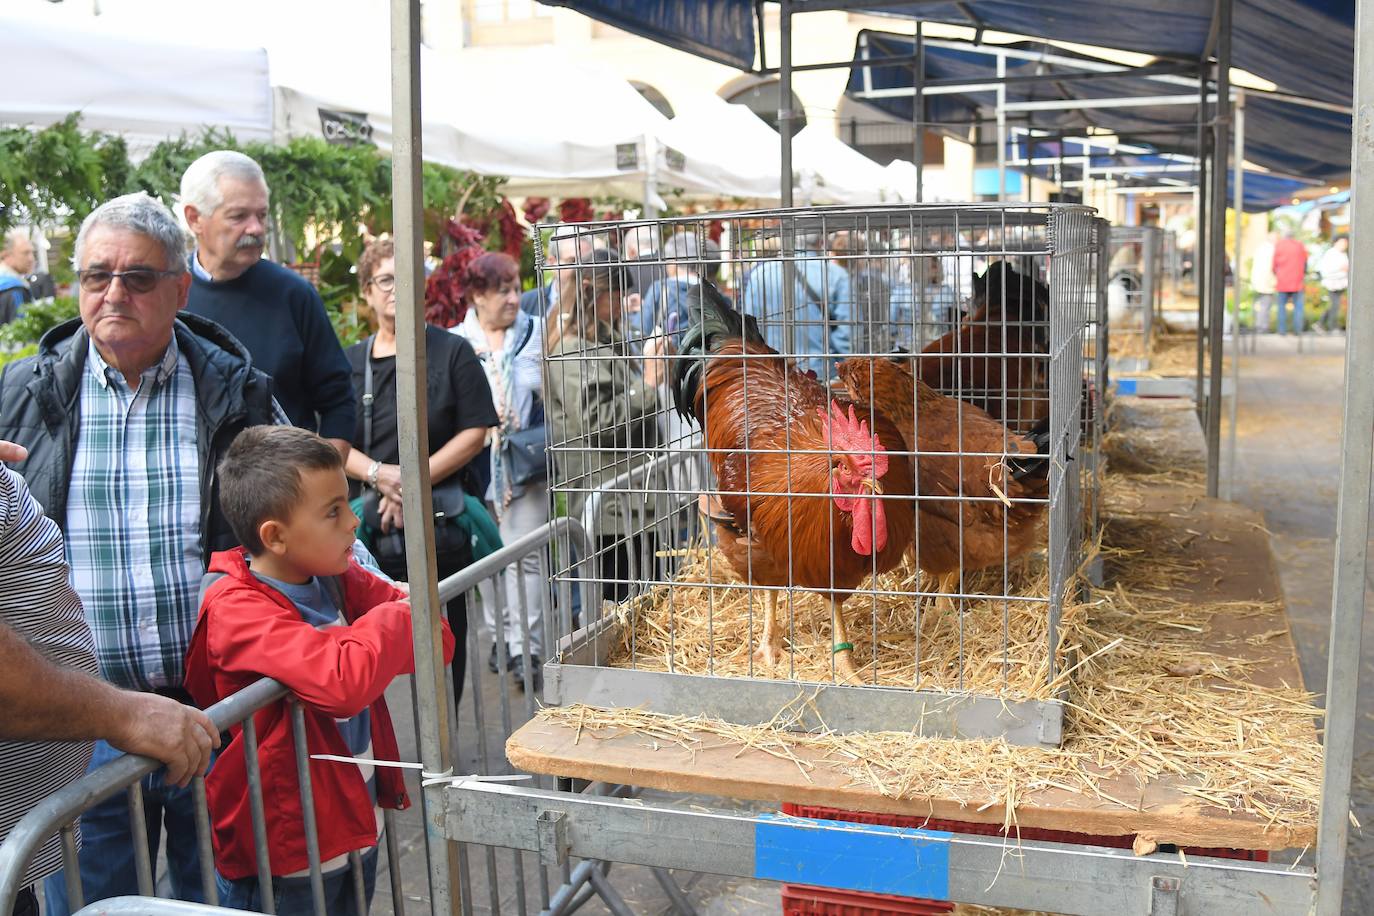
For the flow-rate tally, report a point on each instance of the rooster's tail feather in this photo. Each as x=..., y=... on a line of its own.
x=714, y=321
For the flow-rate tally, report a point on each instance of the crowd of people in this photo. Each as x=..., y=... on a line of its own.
x=1279, y=273
x=203, y=488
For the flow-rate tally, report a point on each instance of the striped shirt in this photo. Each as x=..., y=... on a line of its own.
x=38, y=604
x=133, y=518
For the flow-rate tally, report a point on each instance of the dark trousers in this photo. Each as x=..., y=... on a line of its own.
x=617, y=573
x=25, y=903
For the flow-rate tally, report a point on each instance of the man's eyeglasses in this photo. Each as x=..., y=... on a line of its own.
x=138, y=280
x=385, y=283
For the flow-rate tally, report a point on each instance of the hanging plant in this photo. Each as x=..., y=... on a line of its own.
x=445, y=304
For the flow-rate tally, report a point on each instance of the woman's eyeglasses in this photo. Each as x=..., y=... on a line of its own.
x=385, y=283
x=138, y=280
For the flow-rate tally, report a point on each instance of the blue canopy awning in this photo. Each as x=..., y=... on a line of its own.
x=1306, y=47
x=1280, y=136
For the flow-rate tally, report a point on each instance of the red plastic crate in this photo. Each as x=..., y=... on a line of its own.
x=1026, y=833
x=801, y=900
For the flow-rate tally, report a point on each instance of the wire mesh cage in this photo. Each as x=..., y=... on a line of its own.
x=837, y=447
x=1134, y=293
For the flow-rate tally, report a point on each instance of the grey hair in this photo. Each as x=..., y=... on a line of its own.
x=645, y=239
x=142, y=214
x=200, y=182
x=563, y=238
x=12, y=237
x=680, y=245
x=1285, y=231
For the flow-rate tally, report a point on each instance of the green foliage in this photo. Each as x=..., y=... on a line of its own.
x=20, y=337
x=160, y=173
x=57, y=174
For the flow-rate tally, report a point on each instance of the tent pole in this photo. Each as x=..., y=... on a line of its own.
x=785, y=113
x=1216, y=325
x=918, y=113
x=431, y=682
x=1200, y=246
x=1237, y=288
x=1001, y=130
x=650, y=177
x=1352, y=512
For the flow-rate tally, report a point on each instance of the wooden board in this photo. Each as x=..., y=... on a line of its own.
x=1237, y=565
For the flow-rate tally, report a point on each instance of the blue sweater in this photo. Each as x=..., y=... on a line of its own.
x=277, y=315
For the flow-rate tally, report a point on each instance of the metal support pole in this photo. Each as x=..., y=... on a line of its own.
x=431, y=686
x=1216, y=308
x=785, y=113
x=1352, y=512
x=1237, y=288
x=918, y=112
x=1001, y=130
x=1200, y=258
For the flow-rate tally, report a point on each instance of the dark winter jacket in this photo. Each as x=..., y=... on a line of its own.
x=40, y=409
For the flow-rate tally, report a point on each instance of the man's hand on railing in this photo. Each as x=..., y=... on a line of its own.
x=181, y=736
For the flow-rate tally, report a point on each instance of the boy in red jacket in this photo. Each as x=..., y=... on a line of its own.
x=293, y=605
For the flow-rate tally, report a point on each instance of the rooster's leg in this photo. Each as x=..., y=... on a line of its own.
x=947, y=583
x=769, y=651
x=844, y=650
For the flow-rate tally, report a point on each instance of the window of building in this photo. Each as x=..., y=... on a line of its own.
x=762, y=100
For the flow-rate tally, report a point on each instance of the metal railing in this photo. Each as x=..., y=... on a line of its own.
x=59, y=812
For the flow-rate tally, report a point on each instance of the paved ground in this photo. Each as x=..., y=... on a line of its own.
x=1287, y=466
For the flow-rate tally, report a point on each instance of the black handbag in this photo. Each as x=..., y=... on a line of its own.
x=528, y=461
x=452, y=542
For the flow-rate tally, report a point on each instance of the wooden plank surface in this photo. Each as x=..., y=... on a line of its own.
x=1233, y=546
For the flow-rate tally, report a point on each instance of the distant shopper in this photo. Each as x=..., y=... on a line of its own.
x=274, y=312
x=510, y=345
x=1262, y=281
x=16, y=264
x=1290, y=272
x=459, y=414
x=1334, y=268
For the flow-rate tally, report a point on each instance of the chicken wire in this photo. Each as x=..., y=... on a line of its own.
x=1135, y=289
x=995, y=305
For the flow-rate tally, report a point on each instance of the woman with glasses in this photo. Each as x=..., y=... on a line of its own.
x=459, y=414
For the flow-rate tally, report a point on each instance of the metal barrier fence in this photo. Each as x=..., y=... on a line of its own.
x=560, y=888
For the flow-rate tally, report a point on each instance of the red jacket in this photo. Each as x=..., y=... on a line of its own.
x=247, y=631
x=1290, y=265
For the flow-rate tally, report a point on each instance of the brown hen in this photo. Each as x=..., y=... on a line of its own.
x=963, y=452
x=811, y=495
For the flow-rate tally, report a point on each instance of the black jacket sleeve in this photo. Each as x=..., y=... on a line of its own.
x=327, y=374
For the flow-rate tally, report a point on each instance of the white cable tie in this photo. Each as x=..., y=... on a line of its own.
x=427, y=778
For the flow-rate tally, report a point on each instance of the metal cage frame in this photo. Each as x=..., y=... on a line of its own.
x=663, y=478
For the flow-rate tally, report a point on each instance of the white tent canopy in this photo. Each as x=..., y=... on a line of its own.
x=144, y=88
x=329, y=76
x=842, y=173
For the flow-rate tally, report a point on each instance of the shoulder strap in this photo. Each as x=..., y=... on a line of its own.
x=333, y=587
x=367, y=395
x=206, y=581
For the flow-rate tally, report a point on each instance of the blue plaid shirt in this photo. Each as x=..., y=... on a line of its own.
x=133, y=518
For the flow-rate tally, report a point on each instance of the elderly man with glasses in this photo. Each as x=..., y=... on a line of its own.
x=274, y=311
x=125, y=413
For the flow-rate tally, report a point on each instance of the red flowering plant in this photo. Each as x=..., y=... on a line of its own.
x=445, y=299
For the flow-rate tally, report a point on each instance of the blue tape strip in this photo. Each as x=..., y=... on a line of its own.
x=860, y=857
x=1126, y=386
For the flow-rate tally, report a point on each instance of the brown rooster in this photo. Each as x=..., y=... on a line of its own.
x=997, y=358
x=811, y=495
x=987, y=467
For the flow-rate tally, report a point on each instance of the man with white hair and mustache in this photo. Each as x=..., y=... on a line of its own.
x=273, y=311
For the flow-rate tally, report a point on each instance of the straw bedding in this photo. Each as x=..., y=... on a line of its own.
x=1144, y=697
